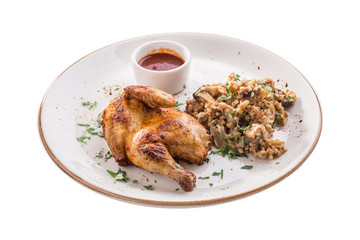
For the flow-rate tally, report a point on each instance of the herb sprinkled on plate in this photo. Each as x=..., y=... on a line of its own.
x=247, y=167
x=149, y=187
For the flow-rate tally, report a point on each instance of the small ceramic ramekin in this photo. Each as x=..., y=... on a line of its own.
x=171, y=81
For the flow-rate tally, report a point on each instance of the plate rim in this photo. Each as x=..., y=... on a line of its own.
x=175, y=203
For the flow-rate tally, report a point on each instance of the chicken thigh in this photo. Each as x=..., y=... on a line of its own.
x=142, y=127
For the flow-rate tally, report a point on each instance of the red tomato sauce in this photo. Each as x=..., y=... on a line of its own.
x=161, y=62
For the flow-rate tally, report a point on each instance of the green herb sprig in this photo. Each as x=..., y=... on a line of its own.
x=247, y=167
x=119, y=176
x=149, y=187
x=177, y=105
x=277, y=121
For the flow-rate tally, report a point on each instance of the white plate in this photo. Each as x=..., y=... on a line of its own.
x=214, y=57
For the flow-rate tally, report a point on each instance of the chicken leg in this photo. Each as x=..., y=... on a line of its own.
x=141, y=127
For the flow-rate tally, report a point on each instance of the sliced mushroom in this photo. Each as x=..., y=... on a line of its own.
x=218, y=134
x=204, y=96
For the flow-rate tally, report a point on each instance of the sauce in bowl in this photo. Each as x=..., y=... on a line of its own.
x=161, y=62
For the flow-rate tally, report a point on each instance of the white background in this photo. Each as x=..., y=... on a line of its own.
x=39, y=39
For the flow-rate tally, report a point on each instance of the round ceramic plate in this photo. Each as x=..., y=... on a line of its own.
x=83, y=90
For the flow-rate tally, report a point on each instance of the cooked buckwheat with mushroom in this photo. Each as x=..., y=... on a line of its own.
x=242, y=115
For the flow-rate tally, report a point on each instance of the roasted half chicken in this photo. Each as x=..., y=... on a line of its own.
x=142, y=127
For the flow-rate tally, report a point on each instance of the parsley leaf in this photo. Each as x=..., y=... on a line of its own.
x=119, y=176
x=232, y=154
x=243, y=128
x=243, y=142
x=216, y=173
x=82, y=138
x=221, y=174
x=177, y=104
x=204, y=177
x=276, y=121
x=235, y=155
x=93, y=105
x=83, y=125
x=149, y=187
x=267, y=88
x=108, y=155
x=223, y=97
x=247, y=167
x=227, y=88
x=100, y=154
x=234, y=136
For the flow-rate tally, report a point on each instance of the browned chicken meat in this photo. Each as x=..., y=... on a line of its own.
x=142, y=127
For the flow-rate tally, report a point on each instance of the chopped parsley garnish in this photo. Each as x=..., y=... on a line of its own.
x=204, y=177
x=119, y=176
x=221, y=173
x=243, y=142
x=100, y=154
x=234, y=136
x=232, y=112
x=232, y=154
x=83, y=125
x=134, y=181
x=205, y=161
x=108, y=155
x=111, y=173
x=177, y=104
x=222, y=151
x=93, y=105
x=184, y=86
x=91, y=131
x=288, y=99
x=243, y=128
x=98, y=120
x=82, y=138
x=276, y=121
x=177, y=189
x=223, y=97
x=247, y=167
x=267, y=88
x=211, y=184
x=227, y=88
x=235, y=155
x=237, y=75
x=87, y=103
x=149, y=187
x=100, y=134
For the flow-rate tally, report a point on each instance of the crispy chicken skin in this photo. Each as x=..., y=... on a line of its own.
x=142, y=127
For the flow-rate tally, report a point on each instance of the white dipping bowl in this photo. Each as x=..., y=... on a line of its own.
x=171, y=81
